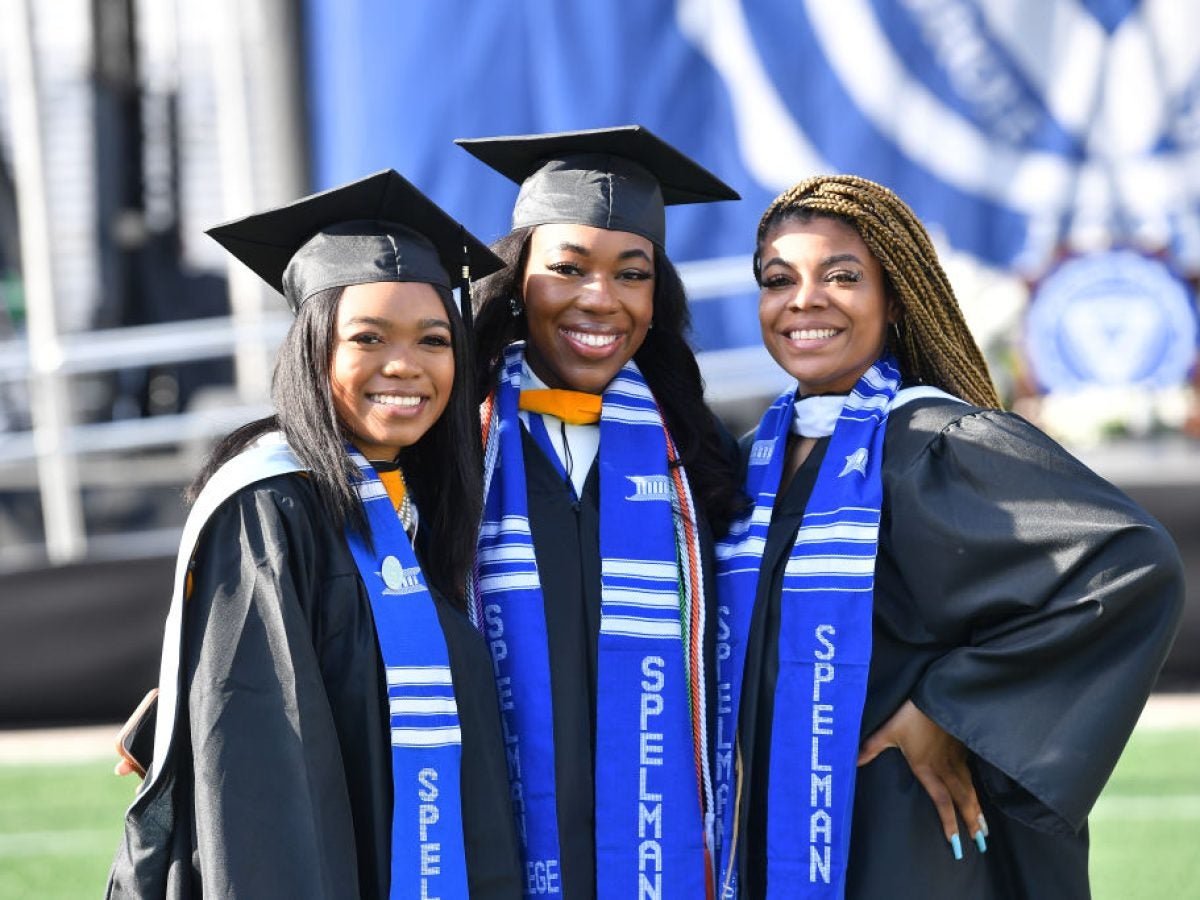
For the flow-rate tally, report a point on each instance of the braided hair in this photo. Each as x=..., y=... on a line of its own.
x=932, y=341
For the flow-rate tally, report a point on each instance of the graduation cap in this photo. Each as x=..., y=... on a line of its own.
x=614, y=178
x=379, y=228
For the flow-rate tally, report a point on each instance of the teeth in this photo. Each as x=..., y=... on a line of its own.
x=812, y=334
x=592, y=340
x=395, y=400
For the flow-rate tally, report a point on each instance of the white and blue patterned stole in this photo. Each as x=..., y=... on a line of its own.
x=650, y=763
x=428, y=856
x=824, y=640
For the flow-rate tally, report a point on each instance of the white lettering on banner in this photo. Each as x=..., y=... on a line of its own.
x=494, y=622
x=650, y=809
x=820, y=824
x=975, y=68
x=427, y=815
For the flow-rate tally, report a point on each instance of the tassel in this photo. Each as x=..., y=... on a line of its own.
x=464, y=288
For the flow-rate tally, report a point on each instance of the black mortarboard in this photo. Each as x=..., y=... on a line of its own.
x=379, y=228
x=614, y=178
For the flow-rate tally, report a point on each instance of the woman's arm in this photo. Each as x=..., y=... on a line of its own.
x=1059, y=595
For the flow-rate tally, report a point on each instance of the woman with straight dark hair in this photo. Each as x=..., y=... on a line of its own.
x=607, y=478
x=939, y=628
x=327, y=719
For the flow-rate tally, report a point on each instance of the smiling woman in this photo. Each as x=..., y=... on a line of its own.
x=327, y=720
x=823, y=309
x=393, y=365
x=609, y=477
x=589, y=298
x=938, y=627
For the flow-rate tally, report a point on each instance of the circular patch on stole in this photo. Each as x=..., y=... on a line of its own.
x=392, y=572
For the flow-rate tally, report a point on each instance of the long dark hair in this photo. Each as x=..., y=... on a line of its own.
x=665, y=359
x=443, y=470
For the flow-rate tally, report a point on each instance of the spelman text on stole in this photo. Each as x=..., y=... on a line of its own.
x=541, y=875
x=820, y=826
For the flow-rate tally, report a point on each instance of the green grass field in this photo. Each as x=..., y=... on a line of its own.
x=59, y=825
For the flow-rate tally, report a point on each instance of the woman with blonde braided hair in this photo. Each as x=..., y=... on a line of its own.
x=923, y=573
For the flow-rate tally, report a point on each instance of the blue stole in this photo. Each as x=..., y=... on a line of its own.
x=824, y=640
x=428, y=857
x=650, y=830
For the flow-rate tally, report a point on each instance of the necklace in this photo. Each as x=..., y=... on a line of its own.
x=393, y=481
x=408, y=512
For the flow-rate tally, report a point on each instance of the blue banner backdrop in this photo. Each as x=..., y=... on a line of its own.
x=1014, y=128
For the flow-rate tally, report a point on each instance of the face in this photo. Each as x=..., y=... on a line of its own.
x=589, y=299
x=392, y=367
x=822, y=306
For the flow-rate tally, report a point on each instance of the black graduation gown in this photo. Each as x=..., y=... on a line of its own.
x=566, y=541
x=280, y=784
x=1025, y=605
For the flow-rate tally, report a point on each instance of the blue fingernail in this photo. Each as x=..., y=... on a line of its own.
x=956, y=845
x=981, y=841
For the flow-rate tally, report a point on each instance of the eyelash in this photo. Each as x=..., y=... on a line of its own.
x=839, y=277
x=570, y=269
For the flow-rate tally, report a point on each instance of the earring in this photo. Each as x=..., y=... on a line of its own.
x=515, y=307
x=896, y=330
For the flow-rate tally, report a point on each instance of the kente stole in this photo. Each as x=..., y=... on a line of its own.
x=824, y=641
x=652, y=789
x=428, y=857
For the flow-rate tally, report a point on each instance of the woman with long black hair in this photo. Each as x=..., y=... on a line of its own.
x=328, y=722
x=606, y=479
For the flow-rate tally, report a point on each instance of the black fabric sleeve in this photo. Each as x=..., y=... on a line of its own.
x=1059, y=598
x=272, y=814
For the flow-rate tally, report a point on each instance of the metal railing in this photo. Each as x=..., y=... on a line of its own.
x=731, y=375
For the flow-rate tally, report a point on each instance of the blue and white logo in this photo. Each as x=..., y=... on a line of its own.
x=650, y=487
x=1111, y=319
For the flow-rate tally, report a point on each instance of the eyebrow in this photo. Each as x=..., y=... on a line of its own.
x=827, y=261
x=387, y=323
x=634, y=253
x=573, y=248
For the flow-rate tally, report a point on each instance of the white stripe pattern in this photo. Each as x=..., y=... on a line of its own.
x=397, y=675
x=445, y=736
x=422, y=706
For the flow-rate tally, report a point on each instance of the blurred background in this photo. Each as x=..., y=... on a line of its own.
x=1051, y=146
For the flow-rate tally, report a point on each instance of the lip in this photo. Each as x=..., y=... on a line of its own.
x=592, y=342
